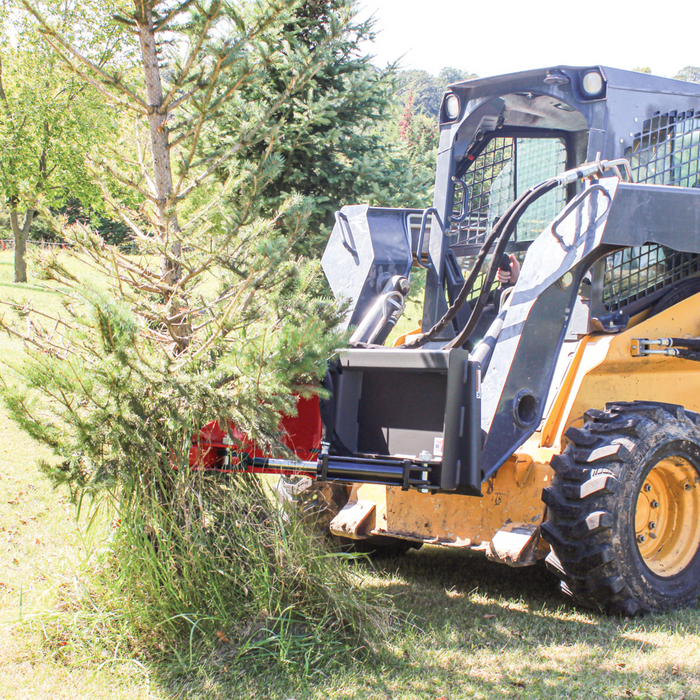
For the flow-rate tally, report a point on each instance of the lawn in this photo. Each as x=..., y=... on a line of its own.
x=471, y=628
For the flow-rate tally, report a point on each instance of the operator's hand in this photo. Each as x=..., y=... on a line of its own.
x=506, y=277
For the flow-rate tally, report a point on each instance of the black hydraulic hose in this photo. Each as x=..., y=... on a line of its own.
x=468, y=285
x=688, y=354
x=689, y=343
x=501, y=232
x=518, y=209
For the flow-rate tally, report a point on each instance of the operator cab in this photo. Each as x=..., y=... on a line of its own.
x=499, y=137
x=508, y=159
x=503, y=135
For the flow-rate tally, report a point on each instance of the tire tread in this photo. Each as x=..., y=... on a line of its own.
x=584, y=499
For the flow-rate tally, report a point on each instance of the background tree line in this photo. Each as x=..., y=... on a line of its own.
x=359, y=134
x=355, y=134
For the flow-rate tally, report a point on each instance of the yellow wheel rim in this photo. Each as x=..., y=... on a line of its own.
x=667, y=517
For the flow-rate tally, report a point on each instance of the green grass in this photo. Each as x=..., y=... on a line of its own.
x=474, y=629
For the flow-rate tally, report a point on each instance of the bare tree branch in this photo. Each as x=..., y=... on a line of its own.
x=191, y=58
x=126, y=180
x=93, y=82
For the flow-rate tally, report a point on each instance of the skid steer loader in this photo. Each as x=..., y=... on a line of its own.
x=555, y=418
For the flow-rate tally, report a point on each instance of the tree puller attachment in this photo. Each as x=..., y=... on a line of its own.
x=550, y=418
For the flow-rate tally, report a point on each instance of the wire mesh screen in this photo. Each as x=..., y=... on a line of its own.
x=665, y=152
x=498, y=176
x=634, y=273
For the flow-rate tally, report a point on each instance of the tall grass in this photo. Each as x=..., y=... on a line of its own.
x=216, y=562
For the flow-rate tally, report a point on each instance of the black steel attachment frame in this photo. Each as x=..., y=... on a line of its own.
x=408, y=419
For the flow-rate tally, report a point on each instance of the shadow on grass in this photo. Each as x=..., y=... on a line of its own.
x=476, y=629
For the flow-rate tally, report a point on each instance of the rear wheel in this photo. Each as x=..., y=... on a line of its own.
x=624, y=509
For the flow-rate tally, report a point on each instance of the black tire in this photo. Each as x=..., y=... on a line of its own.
x=602, y=509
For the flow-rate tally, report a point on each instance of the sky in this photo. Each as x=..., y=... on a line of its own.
x=511, y=35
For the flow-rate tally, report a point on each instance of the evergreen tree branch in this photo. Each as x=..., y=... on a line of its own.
x=139, y=107
x=121, y=212
x=130, y=182
x=60, y=45
x=193, y=55
x=175, y=11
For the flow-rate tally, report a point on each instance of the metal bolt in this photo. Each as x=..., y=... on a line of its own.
x=647, y=487
x=654, y=504
x=652, y=525
x=640, y=538
x=688, y=487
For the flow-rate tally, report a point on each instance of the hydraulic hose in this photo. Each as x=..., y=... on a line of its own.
x=688, y=354
x=685, y=348
x=519, y=207
x=688, y=343
x=497, y=234
x=501, y=233
x=466, y=289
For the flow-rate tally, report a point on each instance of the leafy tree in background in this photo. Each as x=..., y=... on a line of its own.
x=689, y=73
x=49, y=121
x=449, y=75
x=417, y=130
x=428, y=89
x=414, y=124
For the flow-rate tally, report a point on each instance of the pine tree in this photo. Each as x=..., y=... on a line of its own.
x=331, y=137
x=229, y=325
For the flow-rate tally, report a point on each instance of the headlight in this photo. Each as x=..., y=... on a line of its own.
x=592, y=83
x=452, y=106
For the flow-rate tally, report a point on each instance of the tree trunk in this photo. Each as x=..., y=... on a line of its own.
x=20, y=235
x=167, y=214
